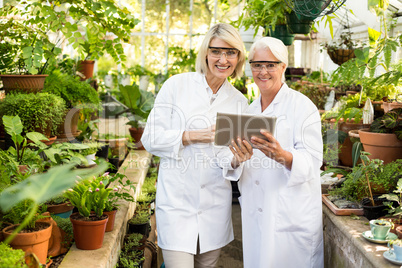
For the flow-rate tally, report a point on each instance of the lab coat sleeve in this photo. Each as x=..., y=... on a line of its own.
x=307, y=149
x=225, y=156
x=165, y=125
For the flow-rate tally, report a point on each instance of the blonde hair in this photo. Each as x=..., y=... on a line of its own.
x=230, y=35
x=277, y=48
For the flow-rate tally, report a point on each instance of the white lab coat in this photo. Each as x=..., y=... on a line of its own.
x=193, y=199
x=281, y=209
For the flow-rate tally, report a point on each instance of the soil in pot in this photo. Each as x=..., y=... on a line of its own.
x=35, y=240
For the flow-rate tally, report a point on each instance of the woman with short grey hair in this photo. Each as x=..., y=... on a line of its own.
x=193, y=200
x=280, y=186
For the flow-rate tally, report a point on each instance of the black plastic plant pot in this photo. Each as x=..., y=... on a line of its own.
x=115, y=162
x=139, y=228
x=374, y=212
x=103, y=151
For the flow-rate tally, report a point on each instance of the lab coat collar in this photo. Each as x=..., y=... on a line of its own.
x=223, y=91
x=255, y=107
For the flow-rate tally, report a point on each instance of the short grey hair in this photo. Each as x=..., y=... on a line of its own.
x=277, y=48
x=230, y=35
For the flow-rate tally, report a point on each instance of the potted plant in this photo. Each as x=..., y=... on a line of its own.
x=28, y=51
x=59, y=206
x=271, y=15
x=395, y=202
x=122, y=189
x=77, y=95
x=140, y=103
x=89, y=196
x=366, y=182
x=139, y=223
x=34, y=236
x=19, y=154
x=342, y=50
x=41, y=112
x=384, y=138
x=117, y=144
x=89, y=152
x=132, y=252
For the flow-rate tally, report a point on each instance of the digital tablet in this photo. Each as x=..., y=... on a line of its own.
x=231, y=126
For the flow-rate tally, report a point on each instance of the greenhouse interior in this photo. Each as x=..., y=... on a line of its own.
x=200, y=133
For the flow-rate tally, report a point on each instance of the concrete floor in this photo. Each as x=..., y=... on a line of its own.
x=232, y=254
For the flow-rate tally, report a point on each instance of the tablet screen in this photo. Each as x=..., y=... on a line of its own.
x=231, y=126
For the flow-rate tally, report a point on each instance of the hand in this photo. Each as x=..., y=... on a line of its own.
x=206, y=135
x=242, y=151
x=272, y=149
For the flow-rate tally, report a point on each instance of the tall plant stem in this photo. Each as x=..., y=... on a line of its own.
x=368, y=183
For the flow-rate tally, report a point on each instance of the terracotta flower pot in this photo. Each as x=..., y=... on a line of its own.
x=86, y=67
x=88, y=235
x=136, y=134
x=27, y=83
x=111, y=217
x=36, y=242
x=345, y=154
x=384, y=146
x=69, y=127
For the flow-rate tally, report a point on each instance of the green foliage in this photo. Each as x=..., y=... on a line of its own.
x=92, y=147
x=66, y=225
x=20, y=153
x=38, y=112
x=391, y=122
x=11, y=257
x=67, y=20
x=355, y=187
x=315, y=92
x=74, y=92
x=89, y=195
x=57, y=200
x=21, y=211
x=139, y=102
x=263, y=13
x=183, y=60
x=41, y=187
x=139, y=218
x=122, y=189
x=27, y=47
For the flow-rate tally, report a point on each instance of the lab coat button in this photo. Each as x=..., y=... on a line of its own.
x=257, y=183
x=202, y=186
x=259, y=209
x=199, y=212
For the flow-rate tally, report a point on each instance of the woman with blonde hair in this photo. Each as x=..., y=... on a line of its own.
x=193, y=200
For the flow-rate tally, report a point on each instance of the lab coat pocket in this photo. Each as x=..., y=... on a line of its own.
x=294, y=213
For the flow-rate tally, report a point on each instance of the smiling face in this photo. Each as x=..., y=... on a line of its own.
x=222, y=67
x=267, y=82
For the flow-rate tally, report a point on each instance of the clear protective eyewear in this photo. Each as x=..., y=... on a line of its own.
x=270, y=66
x=217, y=52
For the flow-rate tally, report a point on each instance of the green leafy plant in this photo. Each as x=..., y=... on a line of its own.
x=391, y=122
x=139, y=218
x=89, y=195
x=91, y=147
x=75, y=93
x=41, y=187
x=263, y=13
x=11, y=257
x=122, y=189
x=139, y=102
x=41, y=112
x=21, y=154
x=66, y=225
x=85, y=26
x=368, y=176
